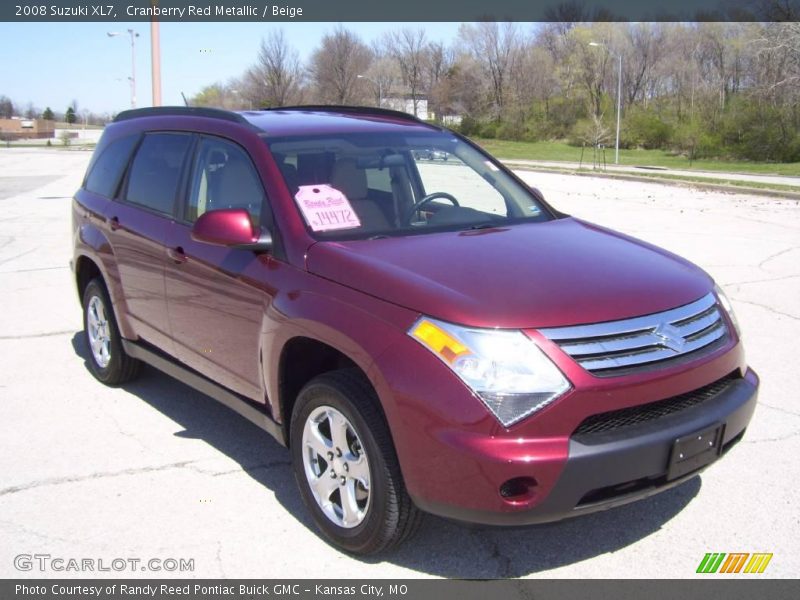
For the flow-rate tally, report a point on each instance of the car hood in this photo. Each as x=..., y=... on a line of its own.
x=561, y=272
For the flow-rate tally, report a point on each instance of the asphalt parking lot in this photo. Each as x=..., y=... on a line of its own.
x=157, y=470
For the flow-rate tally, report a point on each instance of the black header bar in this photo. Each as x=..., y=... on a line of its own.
x=405, y=10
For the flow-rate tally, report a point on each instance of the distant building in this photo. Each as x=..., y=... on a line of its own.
x=16, y=128
x=405, y=104
x=452, y=120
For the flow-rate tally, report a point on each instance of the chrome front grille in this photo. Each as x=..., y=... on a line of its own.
x=638, y=343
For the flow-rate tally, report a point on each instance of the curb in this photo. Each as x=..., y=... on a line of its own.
x=712, y=187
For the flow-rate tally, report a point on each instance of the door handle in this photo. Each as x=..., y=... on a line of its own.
x=177, y=255
x=114, y=223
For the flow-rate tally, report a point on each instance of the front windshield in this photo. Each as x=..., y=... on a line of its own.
x=368, y=185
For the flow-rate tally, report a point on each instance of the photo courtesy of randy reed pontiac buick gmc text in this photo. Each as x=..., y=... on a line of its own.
x=421, y=329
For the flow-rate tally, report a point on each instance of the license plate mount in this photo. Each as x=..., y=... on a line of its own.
x=694, y=451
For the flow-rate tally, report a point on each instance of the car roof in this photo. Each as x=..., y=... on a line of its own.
x=296, y=120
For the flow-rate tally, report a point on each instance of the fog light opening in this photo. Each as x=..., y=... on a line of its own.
x=518, y=489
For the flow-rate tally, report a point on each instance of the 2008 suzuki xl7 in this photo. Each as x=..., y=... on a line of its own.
x=425, y=336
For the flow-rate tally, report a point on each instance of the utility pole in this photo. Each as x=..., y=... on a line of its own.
x=155, y=59
x=133, y=35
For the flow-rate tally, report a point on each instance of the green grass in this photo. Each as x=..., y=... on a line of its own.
x=660, y=177
x=560, y=151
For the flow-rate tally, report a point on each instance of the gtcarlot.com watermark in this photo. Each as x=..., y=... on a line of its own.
x=49, y=563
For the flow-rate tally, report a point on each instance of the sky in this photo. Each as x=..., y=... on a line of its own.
x=52, y=64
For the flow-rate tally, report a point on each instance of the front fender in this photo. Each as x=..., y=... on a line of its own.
x=359, y=326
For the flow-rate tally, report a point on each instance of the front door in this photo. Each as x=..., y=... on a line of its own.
x=215, y=295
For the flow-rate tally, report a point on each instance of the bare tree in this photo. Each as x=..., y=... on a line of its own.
x=439, y=68
x=382, y=76
x=31, y=112
x=592, y=58
x=336, y=65
x=495, y=47
x=276, y=77
x=409, y=48
x=464, y=87
x=642, y=52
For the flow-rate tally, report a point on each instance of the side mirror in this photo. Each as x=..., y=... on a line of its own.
x=231, y=227
x=536, y=192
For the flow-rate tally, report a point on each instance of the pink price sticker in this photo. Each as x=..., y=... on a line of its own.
x=325, y=208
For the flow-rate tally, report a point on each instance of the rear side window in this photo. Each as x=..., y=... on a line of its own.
x=105, y=175
x=156, y=171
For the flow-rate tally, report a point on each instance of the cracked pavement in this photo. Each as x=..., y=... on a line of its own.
x=157, y=470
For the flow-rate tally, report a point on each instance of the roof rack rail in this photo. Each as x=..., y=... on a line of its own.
x=181, y=111
x=361, y=110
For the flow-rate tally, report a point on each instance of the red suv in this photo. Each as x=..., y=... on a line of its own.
x=425, y=336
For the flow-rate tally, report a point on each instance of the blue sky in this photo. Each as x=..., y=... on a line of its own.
x=50, y=64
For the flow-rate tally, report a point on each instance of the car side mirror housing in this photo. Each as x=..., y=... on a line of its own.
x=231, y=227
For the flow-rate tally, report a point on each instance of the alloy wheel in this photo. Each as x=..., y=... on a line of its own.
x=336, y=467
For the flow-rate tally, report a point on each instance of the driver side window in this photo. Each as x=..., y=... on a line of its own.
x=223, y=177
x=452, y=175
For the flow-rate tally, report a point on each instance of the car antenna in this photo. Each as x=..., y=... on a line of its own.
x=185, y=101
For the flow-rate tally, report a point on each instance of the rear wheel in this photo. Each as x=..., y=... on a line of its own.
x=107, y=359
x=346, y=467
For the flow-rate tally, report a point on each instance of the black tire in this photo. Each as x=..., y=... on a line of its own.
x=120, y=367
x=391, y=516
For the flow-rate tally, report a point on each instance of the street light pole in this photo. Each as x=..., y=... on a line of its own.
x=619, y=92
x=133, y=35
x=380, y=88
x=619, y=106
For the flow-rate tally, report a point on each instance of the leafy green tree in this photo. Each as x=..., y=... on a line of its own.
x=48, y=115
x=687, y=138
x=70, y=116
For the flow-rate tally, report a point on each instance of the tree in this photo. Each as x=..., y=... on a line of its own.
x=6, y=107
x=594, y=60
x=439, y=71
x=382, y=76
x=705, y=89
x=336, y=65
x=31, y=112
x=276, y=78
x=48, y=115
x=494, y=46
x=409, y=49
x=70, y=116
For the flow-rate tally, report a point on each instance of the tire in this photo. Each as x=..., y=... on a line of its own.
x=378, y=515
x=107, y=359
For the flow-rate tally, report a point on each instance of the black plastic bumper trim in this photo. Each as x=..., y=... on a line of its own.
x=644, y=457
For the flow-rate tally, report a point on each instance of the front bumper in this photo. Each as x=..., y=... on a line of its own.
x=616, y=469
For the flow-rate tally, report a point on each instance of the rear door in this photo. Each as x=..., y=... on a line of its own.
x=217, y=296
x=138, y=222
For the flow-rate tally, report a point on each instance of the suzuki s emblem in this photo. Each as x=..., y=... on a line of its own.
x=670, y=337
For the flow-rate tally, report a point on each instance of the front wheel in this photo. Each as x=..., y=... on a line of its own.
x=345, y=465
x=107, y=358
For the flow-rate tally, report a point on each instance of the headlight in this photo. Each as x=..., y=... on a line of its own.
x=506, y=369
x=726, y=304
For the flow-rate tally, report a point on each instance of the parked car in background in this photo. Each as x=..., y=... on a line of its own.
x=430, y=154
x=423, y=337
